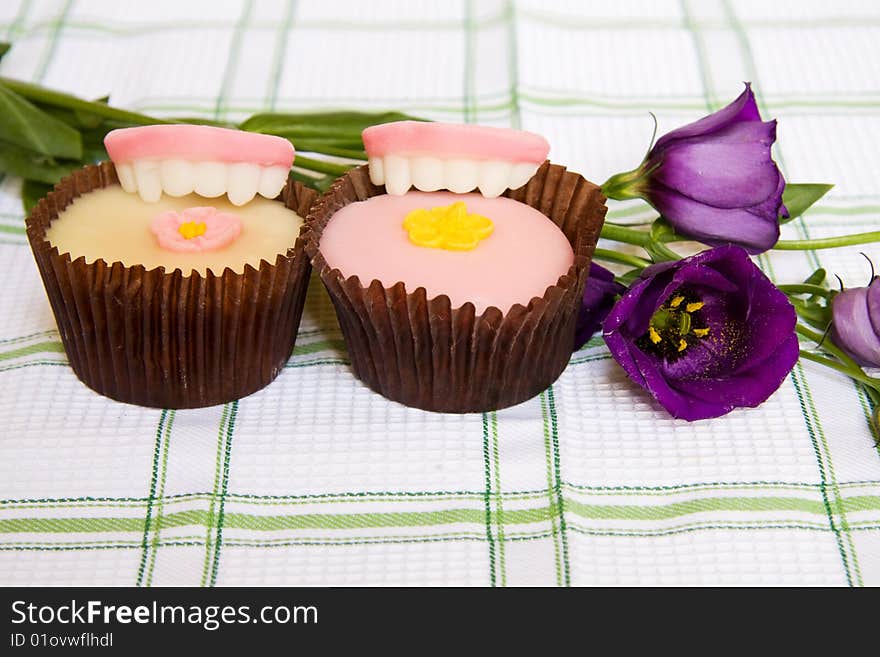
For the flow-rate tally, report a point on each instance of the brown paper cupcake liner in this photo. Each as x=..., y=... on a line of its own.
x=422, y=352
x=170, y=340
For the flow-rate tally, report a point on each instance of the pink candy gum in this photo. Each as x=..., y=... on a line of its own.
x=198, y=143
x=450, y=139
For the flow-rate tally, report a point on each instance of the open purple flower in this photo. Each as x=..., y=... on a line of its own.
x=600, y=293
x=714, y=180
x=855, y=324
x=704, y=335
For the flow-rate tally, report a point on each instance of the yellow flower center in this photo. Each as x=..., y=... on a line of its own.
x=448, y=227
x=192, y=229
x=675, y=326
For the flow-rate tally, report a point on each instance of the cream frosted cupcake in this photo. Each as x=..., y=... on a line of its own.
x=176, y=273
x=449, y=299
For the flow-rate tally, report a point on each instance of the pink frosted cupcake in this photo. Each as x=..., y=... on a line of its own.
x=451, y=299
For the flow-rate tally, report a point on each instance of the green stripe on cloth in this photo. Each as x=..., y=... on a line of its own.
x=499, y=507
x=474, y=516
x=157, y=453
x=218, y=466
x=846, y=545
x=487, y=467
x=231, y=68
x=163, y=476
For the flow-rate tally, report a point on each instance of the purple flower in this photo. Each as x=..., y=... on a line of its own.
x=704, y=335
x=856, y=323
x=600, y=293
x=714, y=180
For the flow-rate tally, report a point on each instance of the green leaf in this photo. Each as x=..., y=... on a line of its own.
x=89, y=119
x=31, y=193
x=21, y=162
x=798, y=197
x=661, y=232
x=630, y=277
x=816, y=278
x=816, y=315
x=25, y=125
x=4, y=48
x=331, y=122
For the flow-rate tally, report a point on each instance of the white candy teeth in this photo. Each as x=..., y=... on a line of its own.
x=125, y=173
x=177, y=177
x=146, y=174
x=521, y=173
x=210, y=179
x=397, y=175
x=461, y=175
x=377, y=171
x=494, y=177
x=272, y=181
x=427, y=173
x=244, y=179
x=240, y=181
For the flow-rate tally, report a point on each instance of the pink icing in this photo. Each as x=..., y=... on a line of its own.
x=197, y=143
x=451, y=139
x=524, y=255
x=221, y=228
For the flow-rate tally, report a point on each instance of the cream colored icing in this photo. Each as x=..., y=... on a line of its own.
x=114, y=225
x=525, y=254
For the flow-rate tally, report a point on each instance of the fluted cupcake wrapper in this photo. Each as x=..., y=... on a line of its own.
x=422, y=352
x=170, y=340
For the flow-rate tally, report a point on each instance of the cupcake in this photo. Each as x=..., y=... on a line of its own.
x=462, y=294
x=175, y=272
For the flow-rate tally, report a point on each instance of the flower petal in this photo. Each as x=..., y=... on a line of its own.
x=600, y=292
x=734, y=172
x=853, y=329
x=715, y=226
x=744, y=108
x=750, y=387
x=680, y=405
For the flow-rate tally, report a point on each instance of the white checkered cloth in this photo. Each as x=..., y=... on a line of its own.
x=317, y=480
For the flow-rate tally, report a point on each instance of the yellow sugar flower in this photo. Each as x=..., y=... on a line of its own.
x=448, y=227
x=191, y=229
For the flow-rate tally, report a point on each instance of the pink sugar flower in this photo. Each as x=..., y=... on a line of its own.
x=195, y=229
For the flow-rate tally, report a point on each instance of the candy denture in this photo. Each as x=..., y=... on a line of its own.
x=181, y=159
x=195, y=230
x=460, y=158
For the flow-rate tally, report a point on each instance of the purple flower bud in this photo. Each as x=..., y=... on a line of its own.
x=714, y=180
x=855, y=324
x=600, y=293
x=705, y=334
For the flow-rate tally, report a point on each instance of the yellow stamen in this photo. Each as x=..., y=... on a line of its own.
x=447, y=227
x=192, y=229
x=653, y=335
x=701, y=333
x=682, y=345
x=693, y=307
x=676, y=302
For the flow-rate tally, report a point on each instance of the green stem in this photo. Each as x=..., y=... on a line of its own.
x=840, y=367
x=321, y=166
x=622, y=258
x=828, y=346
x=805, y=288
x=626, y=235
x=38, y=94
x=828, y=242
x=625, y=186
